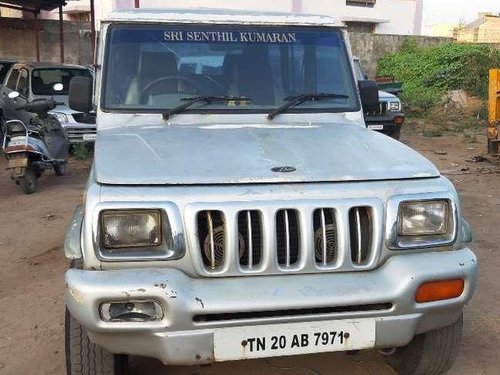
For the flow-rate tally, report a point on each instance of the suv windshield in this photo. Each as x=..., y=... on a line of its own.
x=43, y=80
x=153, y=68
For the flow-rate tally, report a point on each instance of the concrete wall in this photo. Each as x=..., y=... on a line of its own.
x=371, y=47
x=17, y=41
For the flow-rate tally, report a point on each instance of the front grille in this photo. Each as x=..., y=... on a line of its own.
x=76, y=134
x=379, y=110
x=272, y=240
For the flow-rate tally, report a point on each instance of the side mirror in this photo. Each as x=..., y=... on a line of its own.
x=58, y=87
x=13, y=95
x=80, y=94
x=368, y=90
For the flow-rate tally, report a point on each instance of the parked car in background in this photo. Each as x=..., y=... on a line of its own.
x=36, y=81
x=388, y=116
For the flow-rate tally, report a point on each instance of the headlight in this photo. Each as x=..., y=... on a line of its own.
x=425, y=218
x=130, y=229
x=61, y=117
x=395, y=106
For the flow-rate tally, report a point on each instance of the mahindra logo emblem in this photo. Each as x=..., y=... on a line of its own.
x=284, y=169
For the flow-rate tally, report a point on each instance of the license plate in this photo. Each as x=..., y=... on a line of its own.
x=18, y=163
x=376, y=127
x=292, y=339
x=17, y=141
x=89, y=137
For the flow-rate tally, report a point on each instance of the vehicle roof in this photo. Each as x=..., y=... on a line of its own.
x=10, y=61
x=219, y=16
x=37, y=65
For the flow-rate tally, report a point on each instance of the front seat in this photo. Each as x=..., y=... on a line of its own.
x=152, y=66
x=255, y=76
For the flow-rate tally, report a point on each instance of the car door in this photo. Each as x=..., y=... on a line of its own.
x=8, y=104
x=23, y=88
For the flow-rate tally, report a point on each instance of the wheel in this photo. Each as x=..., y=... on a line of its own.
x=29, y=181
x=430, y=353
x=86, y=358
x=396, y=134
x=492, y=147
x=60, y=168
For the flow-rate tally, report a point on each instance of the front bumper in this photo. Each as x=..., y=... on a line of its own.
x=386, y=121
x=181, y=339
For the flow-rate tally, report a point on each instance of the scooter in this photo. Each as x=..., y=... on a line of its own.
x=33, y=148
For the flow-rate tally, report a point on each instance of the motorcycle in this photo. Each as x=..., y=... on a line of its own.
x=33, y=148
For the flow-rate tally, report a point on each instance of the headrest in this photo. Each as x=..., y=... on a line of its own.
x=157, y=64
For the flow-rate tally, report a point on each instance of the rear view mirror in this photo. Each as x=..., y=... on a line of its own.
x=13, y=94
x=80, y=94
x=368, y=90
x=58, y=87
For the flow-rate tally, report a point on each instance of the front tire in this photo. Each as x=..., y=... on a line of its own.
x=85, y=358
x=430, y=353
x=29, y=181
x=60, y=169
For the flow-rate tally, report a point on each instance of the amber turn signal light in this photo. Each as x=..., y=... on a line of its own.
x=399, y=120
x=439, y=290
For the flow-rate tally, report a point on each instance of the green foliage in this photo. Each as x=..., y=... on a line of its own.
x=80, y=151
x=429, y=72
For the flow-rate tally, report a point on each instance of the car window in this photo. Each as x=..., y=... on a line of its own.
x=43, y=80
x=12, y=81
x=4, y=69
x=22, y=85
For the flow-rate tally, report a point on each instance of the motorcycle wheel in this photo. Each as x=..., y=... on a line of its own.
x=28, y=182
x=61, y=169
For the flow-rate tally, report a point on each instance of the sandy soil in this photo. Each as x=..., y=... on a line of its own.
x=32, y=269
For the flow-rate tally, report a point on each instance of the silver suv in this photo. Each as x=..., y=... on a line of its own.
x=239, y=208
x=36, y=81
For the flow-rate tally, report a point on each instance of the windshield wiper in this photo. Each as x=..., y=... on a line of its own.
x=207, y=99
x=299, y=99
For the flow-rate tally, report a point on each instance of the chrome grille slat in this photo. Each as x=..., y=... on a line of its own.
x=361, y=228
x=323, y=230
x=250, y=240
x=358, y=233
x=211, y=236
x=287, y=238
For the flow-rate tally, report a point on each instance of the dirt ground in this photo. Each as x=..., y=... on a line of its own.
x=32, y=269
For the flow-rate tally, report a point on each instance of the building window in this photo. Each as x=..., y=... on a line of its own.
x=361, y=3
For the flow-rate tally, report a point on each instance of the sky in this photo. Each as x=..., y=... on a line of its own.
x=447, y=11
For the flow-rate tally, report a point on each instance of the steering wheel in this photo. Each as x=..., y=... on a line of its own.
x=149, y=87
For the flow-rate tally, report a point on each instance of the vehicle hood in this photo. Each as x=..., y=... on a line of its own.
x=236, y=154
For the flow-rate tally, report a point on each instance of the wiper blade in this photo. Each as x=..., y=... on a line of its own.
x=299, y=99
x=207, y=99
